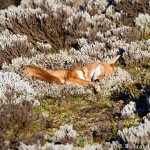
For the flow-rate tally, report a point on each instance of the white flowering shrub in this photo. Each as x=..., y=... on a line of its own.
x=8, y=39
x=66, y=134
x=43, y=47
x=109, y=85
x=95, y=50
x=99, y=6
x=133, y=1
x=12, y=46
x=132, y=52
x=17, y=13
x=52, y=146
x=129, y=110
x=143, y=21
x=137, y=135
x=15, y=89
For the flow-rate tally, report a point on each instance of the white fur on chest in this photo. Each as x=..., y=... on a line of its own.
x=80, y=74
x=96, y=72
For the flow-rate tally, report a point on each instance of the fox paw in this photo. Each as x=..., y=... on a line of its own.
x=97, y=88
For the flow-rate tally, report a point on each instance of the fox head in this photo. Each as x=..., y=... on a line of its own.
x=105, y=69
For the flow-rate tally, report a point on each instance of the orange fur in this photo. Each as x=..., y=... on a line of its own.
x=77, y=75
x=42, y=74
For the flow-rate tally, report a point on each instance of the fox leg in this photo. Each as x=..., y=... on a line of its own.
x=83, y=82
x=78, y=81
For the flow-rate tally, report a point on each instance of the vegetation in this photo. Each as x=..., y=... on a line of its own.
x=66, y=34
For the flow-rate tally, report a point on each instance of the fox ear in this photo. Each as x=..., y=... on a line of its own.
x=114, y=60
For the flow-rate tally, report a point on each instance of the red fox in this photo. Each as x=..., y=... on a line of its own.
x=85, y=75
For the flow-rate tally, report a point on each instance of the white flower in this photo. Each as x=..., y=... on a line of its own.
x=137, y=135
x=20, y=90
x=66, y=134
x=8, y=39
x=143, y=21
x=129, y=110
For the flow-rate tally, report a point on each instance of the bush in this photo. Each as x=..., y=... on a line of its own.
x=18, y=123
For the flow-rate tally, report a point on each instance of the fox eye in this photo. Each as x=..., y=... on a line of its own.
x=97, y=80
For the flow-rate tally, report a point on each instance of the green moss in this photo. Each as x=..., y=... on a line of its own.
x=18, y=94
x=143, y=47
x=114, y=128
x=146, y=36
x=35, y=126
x=131, y=122
x=39, y=109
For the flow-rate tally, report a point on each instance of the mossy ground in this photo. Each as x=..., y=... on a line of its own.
x=86, y=113
x=83, y=111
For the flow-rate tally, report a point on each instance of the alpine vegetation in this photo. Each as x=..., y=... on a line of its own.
x=139, y=134
x=13, y=46
x=143, y=21
x=108, y=112
x=13, y=89
x=129, y=110
x=66, y=134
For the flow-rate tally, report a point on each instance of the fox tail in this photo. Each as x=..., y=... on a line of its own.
x=42, y=74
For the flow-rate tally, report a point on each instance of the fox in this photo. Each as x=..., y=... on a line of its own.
x=78, y=75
